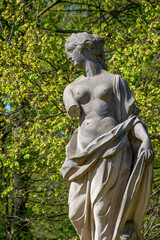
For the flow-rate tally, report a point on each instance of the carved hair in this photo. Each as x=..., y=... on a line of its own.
x=91, y=42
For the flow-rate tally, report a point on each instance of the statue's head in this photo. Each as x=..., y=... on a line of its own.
x=87, y=44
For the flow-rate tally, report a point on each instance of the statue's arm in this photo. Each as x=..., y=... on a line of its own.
x=71, y=104
x=140, y=132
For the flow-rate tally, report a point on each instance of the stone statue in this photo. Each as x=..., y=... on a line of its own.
x=109, y=159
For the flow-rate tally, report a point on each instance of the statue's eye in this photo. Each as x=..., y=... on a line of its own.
x=70, y=50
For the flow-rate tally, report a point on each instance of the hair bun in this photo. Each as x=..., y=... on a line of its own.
x=99, y=39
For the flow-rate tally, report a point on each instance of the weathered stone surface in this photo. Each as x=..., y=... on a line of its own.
x=109, y=159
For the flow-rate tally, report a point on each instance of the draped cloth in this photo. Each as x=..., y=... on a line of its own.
x=110, y=181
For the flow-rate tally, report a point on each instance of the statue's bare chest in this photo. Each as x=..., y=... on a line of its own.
x=95, y=88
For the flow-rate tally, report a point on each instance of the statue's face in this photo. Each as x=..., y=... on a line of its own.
x=74, y=55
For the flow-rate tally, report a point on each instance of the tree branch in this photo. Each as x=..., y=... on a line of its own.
x=67, y=31
x=60, y=1
x=46, y=9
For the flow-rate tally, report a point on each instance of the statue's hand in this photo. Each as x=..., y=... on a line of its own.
x=146, y=151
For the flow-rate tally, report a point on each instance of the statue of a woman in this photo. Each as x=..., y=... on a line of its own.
x=109, y=159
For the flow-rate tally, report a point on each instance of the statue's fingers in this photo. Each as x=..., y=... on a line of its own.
x=149, y=156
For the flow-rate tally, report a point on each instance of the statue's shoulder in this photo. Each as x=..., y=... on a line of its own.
x=110, y=77
x=78, y=79
x=115, y=78
x=71, y=85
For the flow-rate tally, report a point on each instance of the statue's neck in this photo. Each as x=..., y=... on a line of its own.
x=92, y=68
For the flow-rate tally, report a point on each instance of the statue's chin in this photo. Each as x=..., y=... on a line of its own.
x=78, y=65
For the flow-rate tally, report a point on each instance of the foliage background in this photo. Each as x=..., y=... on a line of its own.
x=34, y=127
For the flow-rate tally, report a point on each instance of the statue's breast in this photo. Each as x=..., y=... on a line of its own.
x=85, y=91
x=103, y=91
x=82, y=95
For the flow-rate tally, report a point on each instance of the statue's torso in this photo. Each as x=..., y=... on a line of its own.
x=96, y=98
